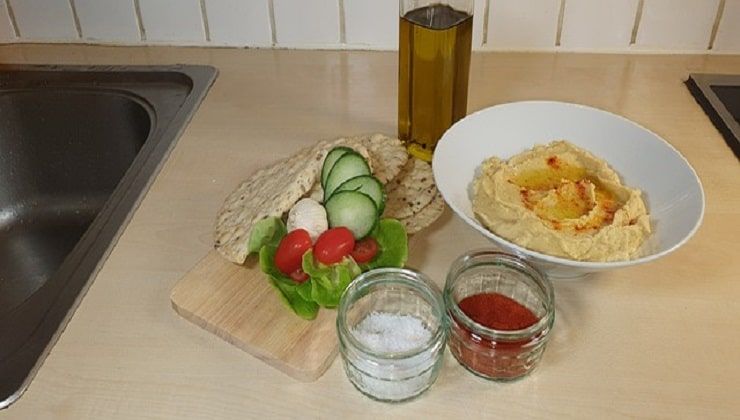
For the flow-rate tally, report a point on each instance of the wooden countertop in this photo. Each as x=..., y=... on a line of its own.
x=659, y=340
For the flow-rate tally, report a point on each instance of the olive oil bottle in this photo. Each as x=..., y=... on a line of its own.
x=434, y=62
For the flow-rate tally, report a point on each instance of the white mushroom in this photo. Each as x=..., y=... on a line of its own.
x=310, y=215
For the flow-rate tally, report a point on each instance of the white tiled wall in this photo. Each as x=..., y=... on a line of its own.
x=371, y=22
x=677, y=24
x=44, y=19
x=728, y=32
x=172, y=21
x=593, y=24
x=107, y=20
x=306, y=23
x=239, y=22
x=566, y=25
x=7, y=33
x=523, y=24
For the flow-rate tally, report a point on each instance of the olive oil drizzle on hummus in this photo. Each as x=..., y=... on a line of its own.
x=561, y=191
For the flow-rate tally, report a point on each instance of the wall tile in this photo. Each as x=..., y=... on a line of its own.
x=479, y=11
x=595, y=24
x=239, y=22
x=6, y=27
x=677, y=24
x=108, y=20
x=523, y=24
x=371, y=22
x=728, y=33
x=304, y=23
x=172, y=21
x=44, y=19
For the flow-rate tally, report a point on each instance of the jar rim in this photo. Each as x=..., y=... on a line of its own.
x=472, y=259
x=405, y=277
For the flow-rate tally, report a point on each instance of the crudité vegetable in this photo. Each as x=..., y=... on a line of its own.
x=289, y=254
x=333, y=245
x=310, y=274
x=365, y=250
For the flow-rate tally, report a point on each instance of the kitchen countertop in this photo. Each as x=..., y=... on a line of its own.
x=658, y=340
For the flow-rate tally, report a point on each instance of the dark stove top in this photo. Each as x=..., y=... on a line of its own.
x=719, y=96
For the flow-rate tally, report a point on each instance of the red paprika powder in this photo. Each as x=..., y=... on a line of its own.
x=491, y=357
x=496, y=311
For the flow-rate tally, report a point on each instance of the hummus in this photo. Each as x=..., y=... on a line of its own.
x=561, y=200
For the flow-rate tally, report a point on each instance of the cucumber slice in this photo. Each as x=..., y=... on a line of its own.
x=354, y=210
x=349, y=165
x=330, y=159
x=368, y=185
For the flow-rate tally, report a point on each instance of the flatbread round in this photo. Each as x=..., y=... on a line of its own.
x=271, y=191
x=410, y=191
x=387, y=154
x=426, y=216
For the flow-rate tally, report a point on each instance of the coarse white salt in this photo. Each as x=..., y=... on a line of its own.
x=383, y=332
x=383, y=375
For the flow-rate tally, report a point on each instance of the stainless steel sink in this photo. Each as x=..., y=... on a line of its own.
x=78, y=148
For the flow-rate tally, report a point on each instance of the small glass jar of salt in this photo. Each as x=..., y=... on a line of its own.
x=391, y=327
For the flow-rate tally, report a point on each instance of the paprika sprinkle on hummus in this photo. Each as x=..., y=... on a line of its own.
x=561, y=200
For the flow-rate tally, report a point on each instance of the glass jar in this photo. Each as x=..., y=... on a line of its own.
x=498, y=354
x=410, y=306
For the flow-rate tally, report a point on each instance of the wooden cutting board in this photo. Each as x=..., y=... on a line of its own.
x=238, y=304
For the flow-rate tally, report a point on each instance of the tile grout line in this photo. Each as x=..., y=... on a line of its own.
x=717, y=21
x=638, y=20
x=484, y=31
x=204, y=19
x=139, y=21
x=75, y=18
x=561, y=15
x=13, y=22
x=271, y=13
x=342, y=23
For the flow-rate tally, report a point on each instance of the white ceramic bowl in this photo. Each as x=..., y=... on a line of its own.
x=671, y=188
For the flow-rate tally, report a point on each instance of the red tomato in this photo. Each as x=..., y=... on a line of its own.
x=333, y=245
x=289, y=255
x=365, y=250
x=299, y=276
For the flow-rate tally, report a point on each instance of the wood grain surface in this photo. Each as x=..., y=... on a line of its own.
x=238, y=304
x=655, y=341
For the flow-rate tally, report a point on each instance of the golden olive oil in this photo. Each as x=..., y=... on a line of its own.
x=434, y=62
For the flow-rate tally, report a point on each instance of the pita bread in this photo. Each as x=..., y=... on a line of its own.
x=410, y=191
x=271, y=191
x=388, y=155
x=426, y=216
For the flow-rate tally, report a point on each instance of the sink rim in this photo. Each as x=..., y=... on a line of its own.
x=84, y=262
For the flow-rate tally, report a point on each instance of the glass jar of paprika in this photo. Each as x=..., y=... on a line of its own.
x=501, y=311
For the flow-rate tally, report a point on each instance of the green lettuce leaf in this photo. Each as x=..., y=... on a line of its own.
x=268, y=231
x=326, y=282
x=292, y=294
x=393, y=245
x=329, y=281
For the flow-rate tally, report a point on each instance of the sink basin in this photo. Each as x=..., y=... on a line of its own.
x=78, y=148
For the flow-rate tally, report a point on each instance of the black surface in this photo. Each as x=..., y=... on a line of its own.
x=719, y=97
x=730, y=98
x=78, y=147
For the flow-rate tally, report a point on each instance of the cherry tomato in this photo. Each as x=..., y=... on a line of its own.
x=299, y=276
x=365, y=250
x=333, y=245
x=289, y=255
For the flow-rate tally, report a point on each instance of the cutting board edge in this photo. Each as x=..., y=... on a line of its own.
x=309, y=374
